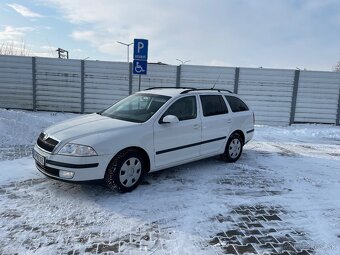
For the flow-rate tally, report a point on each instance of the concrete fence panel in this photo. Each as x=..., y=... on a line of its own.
x=104, y=84
x=268, y=92
x=58, y=84
x=317, y=98
x=16, y=82
x=158, y=76
x=207, y=77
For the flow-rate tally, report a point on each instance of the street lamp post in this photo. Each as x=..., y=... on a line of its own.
x=183, y=62
x=128, y=49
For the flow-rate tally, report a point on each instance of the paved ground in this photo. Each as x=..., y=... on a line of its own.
x=263, y=204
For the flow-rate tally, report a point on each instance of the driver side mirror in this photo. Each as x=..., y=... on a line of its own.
x=170, y=119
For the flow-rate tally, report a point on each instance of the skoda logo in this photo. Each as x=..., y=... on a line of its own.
x=45, y=137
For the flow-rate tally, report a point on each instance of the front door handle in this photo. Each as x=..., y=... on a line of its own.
x=197, y=126
x=229, y=121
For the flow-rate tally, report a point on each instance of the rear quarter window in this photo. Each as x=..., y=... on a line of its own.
x=236, y=104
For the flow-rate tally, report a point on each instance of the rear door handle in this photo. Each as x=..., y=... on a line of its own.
x=229, y=121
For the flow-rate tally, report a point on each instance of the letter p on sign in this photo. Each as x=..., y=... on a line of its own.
x=140, y=46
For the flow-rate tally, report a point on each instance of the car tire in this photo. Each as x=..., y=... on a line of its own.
x=233, y=149
x=125, y=171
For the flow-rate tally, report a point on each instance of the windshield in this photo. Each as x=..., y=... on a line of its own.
x=136, y=108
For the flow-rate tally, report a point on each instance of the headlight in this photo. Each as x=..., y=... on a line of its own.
x=72, y=149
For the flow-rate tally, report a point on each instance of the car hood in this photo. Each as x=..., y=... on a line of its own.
x=85, y=125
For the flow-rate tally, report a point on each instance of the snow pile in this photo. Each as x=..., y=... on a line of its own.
x=307, y=132
x=23, y=127
x=315, y=131
x=17, y=170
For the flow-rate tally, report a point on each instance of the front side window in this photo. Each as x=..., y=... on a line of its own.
x=136, y=108
x=184, y=109
x=236, y=104
x=213, y=105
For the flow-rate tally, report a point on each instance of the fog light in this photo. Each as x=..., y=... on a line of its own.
x=66, y=174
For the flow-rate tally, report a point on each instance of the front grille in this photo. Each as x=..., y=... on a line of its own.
x=49, y=170
x=48, y=145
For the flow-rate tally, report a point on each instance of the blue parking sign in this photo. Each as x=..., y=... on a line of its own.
x=140, y=49
x=140, y=67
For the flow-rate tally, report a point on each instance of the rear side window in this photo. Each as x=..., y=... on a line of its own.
x=213, y=105
x=236, y=104
x=184, y=109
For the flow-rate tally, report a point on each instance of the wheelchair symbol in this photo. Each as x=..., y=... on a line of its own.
x=139, y=68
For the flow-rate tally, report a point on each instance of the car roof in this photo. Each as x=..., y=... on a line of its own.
x=172, y=92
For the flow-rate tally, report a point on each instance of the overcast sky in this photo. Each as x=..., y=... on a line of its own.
x=246, y=33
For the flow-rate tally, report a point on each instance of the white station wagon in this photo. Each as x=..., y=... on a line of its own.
x=149, y=131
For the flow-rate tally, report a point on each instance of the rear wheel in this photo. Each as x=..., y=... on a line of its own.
x=125, y=171
x=233, y=149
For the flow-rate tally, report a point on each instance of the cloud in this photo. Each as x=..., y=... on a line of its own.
x=14, y=33
x=240, y=32
x=24, y=11
x=85, y=35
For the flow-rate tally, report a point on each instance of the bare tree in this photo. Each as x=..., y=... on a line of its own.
x=14, y=49
x=336, y=68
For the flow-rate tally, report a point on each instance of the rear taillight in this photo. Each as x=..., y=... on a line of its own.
x=254, y=118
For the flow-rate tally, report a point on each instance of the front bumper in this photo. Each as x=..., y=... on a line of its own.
x=83, y=168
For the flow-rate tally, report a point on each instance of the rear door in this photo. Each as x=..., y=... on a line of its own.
x=178, y=142
x=216, y=124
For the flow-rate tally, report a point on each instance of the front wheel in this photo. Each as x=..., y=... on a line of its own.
x=125, y=171
x=233, y=149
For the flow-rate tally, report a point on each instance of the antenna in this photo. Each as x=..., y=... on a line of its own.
x=216, y=81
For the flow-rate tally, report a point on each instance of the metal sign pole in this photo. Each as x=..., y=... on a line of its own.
x=139, y=81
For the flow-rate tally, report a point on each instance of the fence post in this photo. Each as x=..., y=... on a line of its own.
x=338, y=114
x=236, y=79
x=294, y=96
x=178, y=76
x=82, y=86
x=130, y=78
x=34, y=84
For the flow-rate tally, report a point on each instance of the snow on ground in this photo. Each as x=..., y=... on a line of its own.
x=281, y=197
x=23, y=127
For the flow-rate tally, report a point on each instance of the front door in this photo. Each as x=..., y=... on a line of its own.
x=178, y=142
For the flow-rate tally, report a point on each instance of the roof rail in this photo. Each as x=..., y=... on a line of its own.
x=193, y=89
x=188, y=89
x=170, y=88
